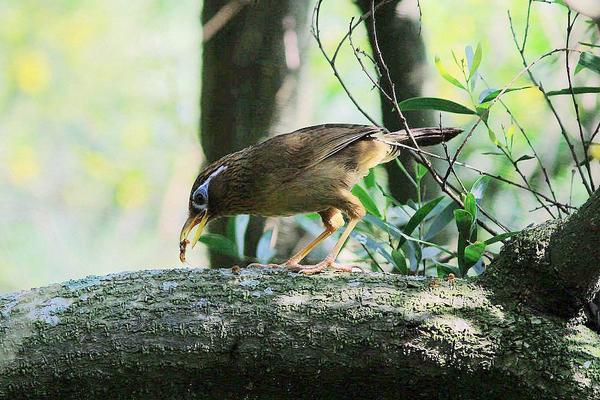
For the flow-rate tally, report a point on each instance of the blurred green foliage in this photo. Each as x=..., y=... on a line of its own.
x=98, y=140
x=98, y=129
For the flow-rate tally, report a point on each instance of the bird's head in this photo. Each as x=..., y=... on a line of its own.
x=203, y=204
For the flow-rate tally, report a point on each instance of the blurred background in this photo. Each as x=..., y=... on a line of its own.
x=100, y=111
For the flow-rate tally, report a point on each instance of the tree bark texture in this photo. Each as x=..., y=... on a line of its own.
x=201, y=333
x=244, y=66
x=403, y=51
x=556, y=266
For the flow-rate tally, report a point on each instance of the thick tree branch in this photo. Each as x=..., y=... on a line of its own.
x=190, y=333
x=554, y=267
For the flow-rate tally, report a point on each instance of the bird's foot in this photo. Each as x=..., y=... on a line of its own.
x=259, y=265
x=318, y=268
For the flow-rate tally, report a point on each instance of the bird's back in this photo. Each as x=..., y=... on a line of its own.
x=306, y=170
x=301, y=171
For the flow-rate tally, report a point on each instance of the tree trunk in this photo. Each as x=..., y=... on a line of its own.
x=190, y=333
x=244, y=66
x=403, y=51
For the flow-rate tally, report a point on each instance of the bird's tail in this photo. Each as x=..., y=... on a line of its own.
x=423, y=137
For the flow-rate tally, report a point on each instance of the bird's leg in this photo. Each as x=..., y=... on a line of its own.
x=329, y=261
x=299, y=256
x=355, y=212
x=332, y=219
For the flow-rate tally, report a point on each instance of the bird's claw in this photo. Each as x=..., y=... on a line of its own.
x=309, y=269
x=259, y=265
x=318, y=268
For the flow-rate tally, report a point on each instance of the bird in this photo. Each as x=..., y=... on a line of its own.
x=312, y=169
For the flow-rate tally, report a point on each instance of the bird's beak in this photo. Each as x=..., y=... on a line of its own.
x=199, y=220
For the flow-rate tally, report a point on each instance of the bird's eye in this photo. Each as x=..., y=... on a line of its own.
x=199, y=198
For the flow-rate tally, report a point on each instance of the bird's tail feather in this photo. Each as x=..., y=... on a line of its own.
x=423, y=137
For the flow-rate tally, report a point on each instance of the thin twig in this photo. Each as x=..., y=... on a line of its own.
x=526, y=68
x=420, y=16
x=575, y=104
x=593, y=136
x=563, y=130
x=535, y=153
x=444, y=186
x=372, y=258
x=527, y=27
x=524, y=178
x=555, y=203
x=364, y=68
x=450, y=190
x=331, y=61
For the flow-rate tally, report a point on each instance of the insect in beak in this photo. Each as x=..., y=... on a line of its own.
x=199, y=220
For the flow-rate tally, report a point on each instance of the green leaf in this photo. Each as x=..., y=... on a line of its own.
x=312, y=216
x=387, y=195
x=418, y=217
x=493, y=137
x=510, y=133
x=590, y=45
x=220, y=244
x=479, y=186
x=420, y=171
x=414, y=255
x=476, y=61
x=442, y=219
x=264, y=249
x=589, y=61
x=398, y=234
x=500, y=237
x=471, y=205
x=576, y=90
x=446, y=269
x=400, y=261
x=488, y=95
x=458, y=64
x=373, y=245
x=241, y=224
x=366, y=200
x=469, y=53
x=434, y=103
x=524, y=157
x=446, y=75
x=473, y=253
x=370, y=179
x=430, y=252
x=464, y=221
x=406, y=173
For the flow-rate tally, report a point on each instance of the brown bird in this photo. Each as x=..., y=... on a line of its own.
x=309, y=170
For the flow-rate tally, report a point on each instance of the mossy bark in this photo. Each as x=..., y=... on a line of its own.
x=190, y=333
x=555, y=267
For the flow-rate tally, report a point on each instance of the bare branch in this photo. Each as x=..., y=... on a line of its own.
x=561, y=125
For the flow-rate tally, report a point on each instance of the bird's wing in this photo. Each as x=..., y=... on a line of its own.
x=323, y=141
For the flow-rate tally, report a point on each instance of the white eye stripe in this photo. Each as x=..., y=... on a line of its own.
x=203, y=189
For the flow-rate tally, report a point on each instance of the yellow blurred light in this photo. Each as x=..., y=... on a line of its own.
x=98, y=166
x=131, y=191
x=32, y=71
x=23, y=165
x=136, y=135
x=594, y=151
x=76, y=31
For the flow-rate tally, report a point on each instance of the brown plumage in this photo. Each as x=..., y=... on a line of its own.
x=309, y=170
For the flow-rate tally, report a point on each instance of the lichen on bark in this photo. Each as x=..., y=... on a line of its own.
x=212, y=333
